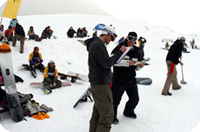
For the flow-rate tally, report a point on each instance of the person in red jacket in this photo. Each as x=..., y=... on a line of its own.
x=9, y=34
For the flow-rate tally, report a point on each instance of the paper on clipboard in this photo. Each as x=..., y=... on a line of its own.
x=122, y=56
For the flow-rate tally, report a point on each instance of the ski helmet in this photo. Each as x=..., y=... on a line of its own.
x=109, y=30
x=182, y=38
x=36, y=48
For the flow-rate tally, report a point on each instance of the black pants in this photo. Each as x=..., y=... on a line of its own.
x=40, y=67
x=132, y=92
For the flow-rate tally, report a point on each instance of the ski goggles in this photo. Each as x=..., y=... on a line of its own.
x=113, y=37
x=132, y=38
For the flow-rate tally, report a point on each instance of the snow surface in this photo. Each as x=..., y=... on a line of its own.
x=156, y=113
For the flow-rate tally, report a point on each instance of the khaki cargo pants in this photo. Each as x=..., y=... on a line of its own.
x=171, y=78
x=103, y=112
x=21, y=39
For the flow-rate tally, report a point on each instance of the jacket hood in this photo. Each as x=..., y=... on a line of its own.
x=89, y=41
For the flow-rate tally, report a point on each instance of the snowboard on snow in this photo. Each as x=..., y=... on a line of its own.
x=144, y=81
x=14, y=106
x=46, y=90
x=74, y=76
x=83, y=98
x=27, y=67
x=82, y=42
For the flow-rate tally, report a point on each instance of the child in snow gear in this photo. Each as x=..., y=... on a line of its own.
x=35, y=61
x=172, y=59
x=51, y=76
x=100, y=77
x=124, y=77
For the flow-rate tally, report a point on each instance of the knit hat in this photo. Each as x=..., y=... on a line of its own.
x=51, y=61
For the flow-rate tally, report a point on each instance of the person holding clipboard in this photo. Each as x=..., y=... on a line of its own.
x=124, y=77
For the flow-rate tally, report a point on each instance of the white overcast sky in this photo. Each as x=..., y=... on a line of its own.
x=179, y=15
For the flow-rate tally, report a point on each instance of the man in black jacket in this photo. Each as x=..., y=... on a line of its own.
x=19, y=35
x=124, y=77
x=173, y=56
x=100, y=77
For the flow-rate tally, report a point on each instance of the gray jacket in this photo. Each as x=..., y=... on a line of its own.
x=99, y=61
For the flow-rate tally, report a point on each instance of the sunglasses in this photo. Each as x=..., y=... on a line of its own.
x=132, y=38
x=52, y=63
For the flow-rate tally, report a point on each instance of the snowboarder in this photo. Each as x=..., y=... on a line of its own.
x=172, y=59
x=35, y=60
x=100, y=77
x=51, y=76
x=124, y=77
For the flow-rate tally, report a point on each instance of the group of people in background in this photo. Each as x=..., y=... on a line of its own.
x=15, y=32
x=81, y=32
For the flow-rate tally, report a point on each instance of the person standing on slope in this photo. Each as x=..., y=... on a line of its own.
x=100, y=77
x=173, y=56
x=124, y=77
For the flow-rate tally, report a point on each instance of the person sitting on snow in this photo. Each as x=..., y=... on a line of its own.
x=47, y=33
x=9, y=34
x=32, y=35
x=51, y=76
x=71, y=32
x=2, y=35
x=35, y=60
x=85, y=32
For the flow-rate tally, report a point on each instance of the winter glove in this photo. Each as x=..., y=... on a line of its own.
x=48, y=109
x=54, y=84
x=51, y=85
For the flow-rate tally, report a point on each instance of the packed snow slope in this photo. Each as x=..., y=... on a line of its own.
x=155, y=113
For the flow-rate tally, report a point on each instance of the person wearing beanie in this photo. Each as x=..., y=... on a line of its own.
x=173, y=58
x=124, y=74
x=35, y=60
x=100, y=77
x=51, y=76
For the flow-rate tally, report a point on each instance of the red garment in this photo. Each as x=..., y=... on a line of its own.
x=8, y=31
x=172, y=68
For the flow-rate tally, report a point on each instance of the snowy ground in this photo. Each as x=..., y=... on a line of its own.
x=156, y=113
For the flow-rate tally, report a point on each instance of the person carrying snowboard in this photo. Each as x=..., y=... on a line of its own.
x=124, y=77
x=100, y=77
x=172, y=59
x=35, y=60
x=51, y=76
